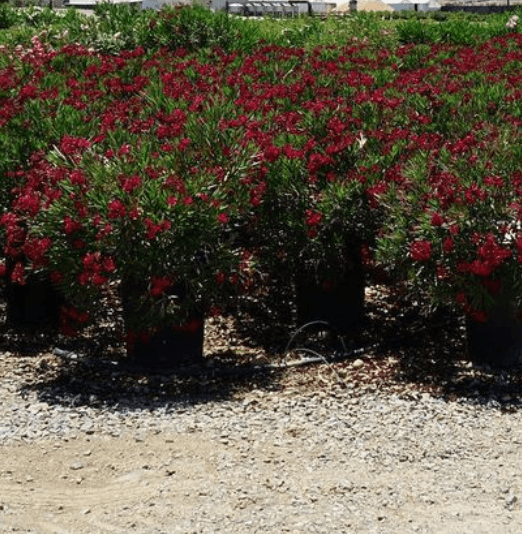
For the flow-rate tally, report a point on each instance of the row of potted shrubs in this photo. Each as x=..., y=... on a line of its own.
x=187, y=180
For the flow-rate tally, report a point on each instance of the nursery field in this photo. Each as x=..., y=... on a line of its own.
x=188, y=164
x=191, y=180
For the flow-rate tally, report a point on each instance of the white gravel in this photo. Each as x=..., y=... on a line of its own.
x=336, y=460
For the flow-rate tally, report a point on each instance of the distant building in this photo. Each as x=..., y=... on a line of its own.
x=89, y=4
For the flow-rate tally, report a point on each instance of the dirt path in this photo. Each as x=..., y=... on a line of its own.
x=169, y=484
x=102, y=485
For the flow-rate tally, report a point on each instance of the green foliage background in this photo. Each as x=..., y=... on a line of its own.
x=113, y=27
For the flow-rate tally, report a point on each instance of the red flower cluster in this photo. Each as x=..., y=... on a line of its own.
x=166, y=155
x=421, y=250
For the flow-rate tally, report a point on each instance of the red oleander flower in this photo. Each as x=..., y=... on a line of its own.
x=421, y=250
x=436, y=219
x=313, y=218
x=159, y=284
x=290, y=148
x=454, y=229
x=70, y=225
x=271, y=153
x=117, y=209
x=442, y=272
x=292, y=153
x=28, y=202
x=28, y=91
x=494, y=181
x=96, y=267
x=474, y=194
x=129, y=185
x=478, y=315
x=448, y=245
x=104, y=232
x=152, y=228
x=71, y=318
x=183, y=144
x=124, y=150
x=9, y=220
x=317, y=161
x=374, y=192
x=492, y=255
x=71, y=145
x=480, y=268
x=35, y=249
x=77, y=177
x=134, y=214
x=91, y=261
x=108, y=264
x=18, y=274
x=176, y=183
x=99, y=280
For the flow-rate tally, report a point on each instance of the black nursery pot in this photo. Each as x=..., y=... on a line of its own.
x=339, y=302
x=169, y=347
x=497, y=341
x=36, y=304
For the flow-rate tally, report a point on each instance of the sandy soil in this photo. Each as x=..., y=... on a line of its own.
x=160, y=484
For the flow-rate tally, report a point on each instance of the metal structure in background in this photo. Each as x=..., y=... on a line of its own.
x=90, y=4
x=414, y=3
x=262, y=8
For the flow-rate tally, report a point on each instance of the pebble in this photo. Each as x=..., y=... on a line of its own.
x=387, y=432
x=76, y=466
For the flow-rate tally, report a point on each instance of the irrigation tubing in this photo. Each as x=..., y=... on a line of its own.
x=241, y=370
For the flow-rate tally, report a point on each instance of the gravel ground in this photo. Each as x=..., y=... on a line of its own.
x=393, y=439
